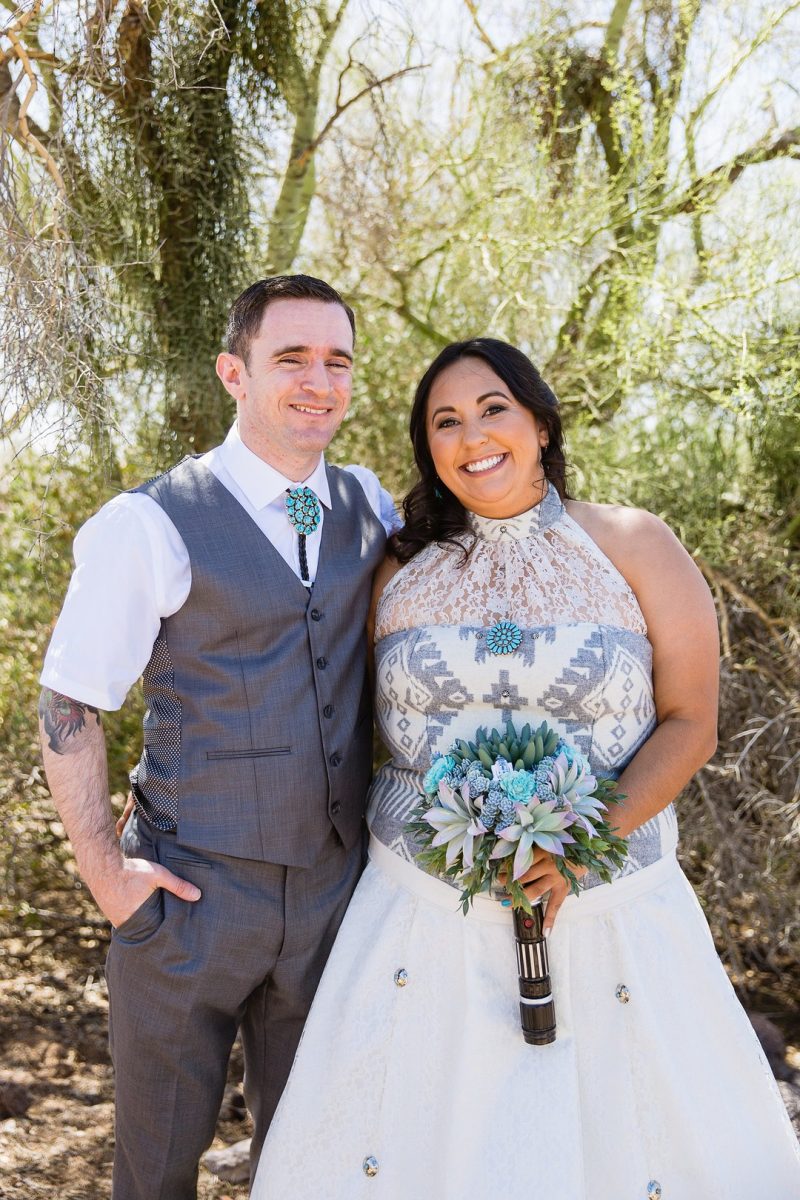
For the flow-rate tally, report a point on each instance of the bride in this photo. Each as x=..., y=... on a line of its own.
x=412, y=1081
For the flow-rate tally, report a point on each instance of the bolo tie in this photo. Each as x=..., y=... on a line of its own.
x=303, y=511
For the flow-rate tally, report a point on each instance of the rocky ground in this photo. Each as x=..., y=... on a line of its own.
x=56, y=1112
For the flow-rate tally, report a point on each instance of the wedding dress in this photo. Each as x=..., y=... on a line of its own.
x=412, y=1080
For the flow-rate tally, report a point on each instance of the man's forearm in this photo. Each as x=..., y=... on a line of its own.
x=74, y=753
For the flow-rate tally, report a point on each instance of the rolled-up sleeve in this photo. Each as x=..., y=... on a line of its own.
x=131, y=570
x=380, y=500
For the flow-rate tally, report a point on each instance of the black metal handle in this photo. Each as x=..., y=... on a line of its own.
x=536, y=1009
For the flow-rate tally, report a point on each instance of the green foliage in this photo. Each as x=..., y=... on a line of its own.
x=38, y=521
x=150, y=118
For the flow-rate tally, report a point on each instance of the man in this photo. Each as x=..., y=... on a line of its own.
x=241, y=598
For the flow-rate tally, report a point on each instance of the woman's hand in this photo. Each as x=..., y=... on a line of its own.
x=544, y=876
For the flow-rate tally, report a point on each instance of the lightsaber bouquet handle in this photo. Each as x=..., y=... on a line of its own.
x=536, y=1009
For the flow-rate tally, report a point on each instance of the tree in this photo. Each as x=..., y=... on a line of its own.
x=136, y=191
x=132, y=189
x=584, y=200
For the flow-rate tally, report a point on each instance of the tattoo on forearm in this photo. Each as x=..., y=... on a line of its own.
x=62, y=718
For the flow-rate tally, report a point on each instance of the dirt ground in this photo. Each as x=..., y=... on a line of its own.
x=56, y=1086
x=56, y=1110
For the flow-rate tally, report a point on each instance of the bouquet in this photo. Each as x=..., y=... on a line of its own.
x=501, y=796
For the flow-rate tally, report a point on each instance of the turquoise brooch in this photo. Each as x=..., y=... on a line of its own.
x=302, y=509
x=503, y=638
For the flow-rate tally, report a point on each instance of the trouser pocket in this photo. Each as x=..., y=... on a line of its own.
x=143, y=921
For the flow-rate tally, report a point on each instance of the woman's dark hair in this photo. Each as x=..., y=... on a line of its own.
x=432, y=513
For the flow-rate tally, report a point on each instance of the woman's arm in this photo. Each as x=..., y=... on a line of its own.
x=682, y=627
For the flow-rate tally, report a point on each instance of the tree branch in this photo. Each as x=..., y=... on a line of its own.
x=743, y=57
x=481, y=32
x=615, y=28
x=330, y=26
x=422, y=326
x=315, y=142
x=15, y=118
x=713, y=183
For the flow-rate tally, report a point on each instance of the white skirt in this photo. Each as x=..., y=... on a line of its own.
x=420, y=1087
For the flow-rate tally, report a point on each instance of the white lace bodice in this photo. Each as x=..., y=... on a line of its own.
x=538, y=568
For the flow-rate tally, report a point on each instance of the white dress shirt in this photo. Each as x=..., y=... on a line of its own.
x=132, y=569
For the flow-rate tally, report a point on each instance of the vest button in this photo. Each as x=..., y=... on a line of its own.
x=335, y=760
x=336, y=807
x=322, y=663
x=328, y=710
x=316, y=615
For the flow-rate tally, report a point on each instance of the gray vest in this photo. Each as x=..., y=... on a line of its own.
x=258, y=729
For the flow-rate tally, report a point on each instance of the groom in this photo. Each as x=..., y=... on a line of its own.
x=242, y=602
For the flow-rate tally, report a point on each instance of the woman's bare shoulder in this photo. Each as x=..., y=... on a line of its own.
x=621, y=532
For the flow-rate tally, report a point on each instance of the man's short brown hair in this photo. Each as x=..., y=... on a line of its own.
x=247, y=310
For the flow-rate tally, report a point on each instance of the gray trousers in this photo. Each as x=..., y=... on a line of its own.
x=184, y=977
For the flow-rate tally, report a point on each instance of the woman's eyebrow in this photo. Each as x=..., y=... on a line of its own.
x=478, y=399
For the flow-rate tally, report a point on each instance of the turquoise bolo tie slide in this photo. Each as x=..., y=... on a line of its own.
x=302, y=509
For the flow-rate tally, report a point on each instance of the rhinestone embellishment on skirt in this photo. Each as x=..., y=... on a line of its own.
x=302, y=509
x=503, y=638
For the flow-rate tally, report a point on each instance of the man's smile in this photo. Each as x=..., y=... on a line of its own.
x=315, y=410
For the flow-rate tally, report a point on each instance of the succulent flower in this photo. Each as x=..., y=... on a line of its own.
x=588, y=811
x=519, y=786
x=442, y=766
x=498, y=809
x=477, y=780
x=457, y=825
x=536, y=825
x=571, y=782
x=571, y=754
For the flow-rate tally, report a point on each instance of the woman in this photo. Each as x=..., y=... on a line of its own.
x=412, y=1079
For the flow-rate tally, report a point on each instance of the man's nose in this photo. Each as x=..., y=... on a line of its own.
x=315, y=379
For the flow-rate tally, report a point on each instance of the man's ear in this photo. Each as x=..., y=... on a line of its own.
x=231, y=369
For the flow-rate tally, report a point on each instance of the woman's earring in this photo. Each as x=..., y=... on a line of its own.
x=436, y=491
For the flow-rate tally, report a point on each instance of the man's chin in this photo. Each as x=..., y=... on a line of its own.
x=316, y=439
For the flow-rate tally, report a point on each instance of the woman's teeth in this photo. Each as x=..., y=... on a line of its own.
x=484, y=464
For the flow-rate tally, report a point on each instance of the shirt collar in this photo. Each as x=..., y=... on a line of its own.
x=260, y=482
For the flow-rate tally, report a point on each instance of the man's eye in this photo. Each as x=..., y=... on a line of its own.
x=291, y=362
x=339, y=366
